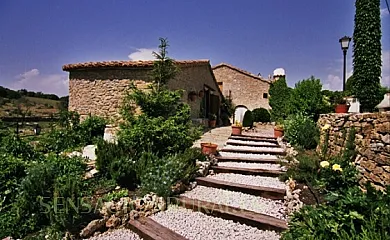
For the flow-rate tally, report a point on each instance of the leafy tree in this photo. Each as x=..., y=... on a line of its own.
x=279, y=97
x=261, y=115
x=367, y=53
x=307, y=97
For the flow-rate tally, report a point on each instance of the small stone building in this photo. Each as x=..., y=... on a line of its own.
x=245, y=89
x=98, y=88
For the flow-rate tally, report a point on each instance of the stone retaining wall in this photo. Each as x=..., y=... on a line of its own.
x=372, y=142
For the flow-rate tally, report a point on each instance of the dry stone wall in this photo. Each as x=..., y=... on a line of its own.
x=372, y=142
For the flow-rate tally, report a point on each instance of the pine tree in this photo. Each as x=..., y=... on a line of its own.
x=367, y=53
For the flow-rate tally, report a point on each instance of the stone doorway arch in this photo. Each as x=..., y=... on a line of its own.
x=239, y=113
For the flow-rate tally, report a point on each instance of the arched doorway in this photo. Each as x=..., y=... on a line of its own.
x=239, y=113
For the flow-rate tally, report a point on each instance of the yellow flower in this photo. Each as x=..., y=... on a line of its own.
x=337, y=167
x=324, y=164
x=325, y=127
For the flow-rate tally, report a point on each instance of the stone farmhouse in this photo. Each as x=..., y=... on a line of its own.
x=246, y=89
x=97, y=88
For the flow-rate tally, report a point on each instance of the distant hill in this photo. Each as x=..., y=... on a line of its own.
x=27, y=103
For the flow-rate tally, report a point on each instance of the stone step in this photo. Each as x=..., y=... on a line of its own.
x=148, y=229
x=249, y=160
x=247, y=171
x=243, y=216
x=241, y=137
x=253, y=151
x=265, y=192
x=252, y=145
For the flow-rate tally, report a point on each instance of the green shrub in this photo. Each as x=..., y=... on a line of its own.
x=302, y=131
x=92, y=128
x=261, y=115
x=248, y=119
x=162, y=173
x=12, y=171
x=116, y=195
x=15, y=146
x=306, y=98
x=349, y=215
x=306, y=169
x=115, y=162
x=46, y=197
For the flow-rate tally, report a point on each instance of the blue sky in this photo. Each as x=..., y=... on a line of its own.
x=38, y=37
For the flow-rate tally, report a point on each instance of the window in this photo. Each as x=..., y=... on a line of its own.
x=265, y=95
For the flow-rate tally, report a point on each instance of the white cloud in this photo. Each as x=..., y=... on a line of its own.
x=33, y=80
x=384, y=12
x=143, y=54
x=333, y=83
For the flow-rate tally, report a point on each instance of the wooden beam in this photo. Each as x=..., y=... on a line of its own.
x=241, y=137
x=243, y=216
x=252, y=145
x=265, y=192
x=252, y=151
x=148, y=229
x=247, y=171
x=249, y=160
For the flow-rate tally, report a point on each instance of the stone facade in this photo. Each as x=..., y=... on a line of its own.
x=243, y=87
x=99, y=88
x=372, y=142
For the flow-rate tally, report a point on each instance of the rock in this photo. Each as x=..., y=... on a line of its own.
x=134, y=215
x=113, y=222
x=107, y=209
x=92, y=227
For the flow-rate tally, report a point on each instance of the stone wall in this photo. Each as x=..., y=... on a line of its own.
x=372, y=142
x=101, y=91
x=245, y=88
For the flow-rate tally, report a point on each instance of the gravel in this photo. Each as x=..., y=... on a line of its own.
x=248, y=155
x=198, y=226
x=118, y=234
x=249, y=202
x=233, y=147
x=250, y=142
x=249, y=180
x=268, y=166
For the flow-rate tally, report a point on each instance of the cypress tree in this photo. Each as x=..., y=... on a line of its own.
x=279, y=97
x=367, y=53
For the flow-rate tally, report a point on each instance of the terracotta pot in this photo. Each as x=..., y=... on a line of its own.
x=278, y=132
x=209, y=148
x=212, y=123
x=236, y=130
x=342, y=108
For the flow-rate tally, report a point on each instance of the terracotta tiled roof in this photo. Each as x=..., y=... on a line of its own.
x=127, y=64
x=241, y=71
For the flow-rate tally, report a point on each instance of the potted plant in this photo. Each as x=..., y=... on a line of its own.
x=341, y=105
x=209, y=148
x=237, y=128
x=212, y=120
x=279, y=130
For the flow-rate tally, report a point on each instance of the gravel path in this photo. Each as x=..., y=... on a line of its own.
x=268, y=166
x=233, y=147
x=250, y=142
x=249, y=180
x=270, y=207
x=198, y=226
x=118, y=234
x=248, y=155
